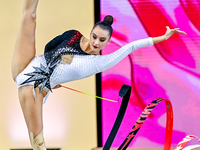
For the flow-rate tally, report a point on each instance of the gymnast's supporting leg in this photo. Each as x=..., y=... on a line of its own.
x=24, y=52
x=33, y=115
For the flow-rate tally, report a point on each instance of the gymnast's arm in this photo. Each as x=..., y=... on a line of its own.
x=93, y=64
x=86, y=66
x=104, y=62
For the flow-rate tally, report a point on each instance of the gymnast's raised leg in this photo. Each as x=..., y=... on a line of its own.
x=24, y=52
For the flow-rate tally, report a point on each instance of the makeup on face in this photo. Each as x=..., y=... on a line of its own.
x=99, y=38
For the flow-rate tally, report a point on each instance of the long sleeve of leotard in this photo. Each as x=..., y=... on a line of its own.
x=85, y=66
x=105, y=62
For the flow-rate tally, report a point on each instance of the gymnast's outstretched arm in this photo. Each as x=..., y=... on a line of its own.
x=105, y=62
x=85, y=66
x=82, y=67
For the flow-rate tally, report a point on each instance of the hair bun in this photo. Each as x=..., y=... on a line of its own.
x=108, y=19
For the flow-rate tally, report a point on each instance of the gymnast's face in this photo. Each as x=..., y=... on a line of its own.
x=99, y=38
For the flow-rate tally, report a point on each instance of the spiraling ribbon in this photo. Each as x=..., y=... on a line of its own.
x=124, y=93
x=185, y=140
x=142, y=118
x=139, y=123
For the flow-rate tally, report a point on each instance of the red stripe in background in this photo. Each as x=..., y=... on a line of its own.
x=137, y=100
x=193, y=15
x=119, y=36
x=154, y=19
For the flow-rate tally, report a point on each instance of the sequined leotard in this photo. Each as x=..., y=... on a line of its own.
x=47, y=70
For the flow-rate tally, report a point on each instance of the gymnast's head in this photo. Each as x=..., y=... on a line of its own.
x=101, y=34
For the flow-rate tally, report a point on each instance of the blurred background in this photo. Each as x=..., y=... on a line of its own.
x=170, y=69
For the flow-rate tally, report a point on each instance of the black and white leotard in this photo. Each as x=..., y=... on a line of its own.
x=47, y=70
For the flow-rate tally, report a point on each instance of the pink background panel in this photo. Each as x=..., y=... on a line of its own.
x=170, y=69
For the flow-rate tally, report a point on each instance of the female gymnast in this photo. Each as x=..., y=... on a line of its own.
x=70, y=56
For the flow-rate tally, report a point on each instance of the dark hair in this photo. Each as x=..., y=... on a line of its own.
x=106, y=24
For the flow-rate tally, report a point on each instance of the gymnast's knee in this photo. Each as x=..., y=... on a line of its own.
x=25, y=94
x=29, y=17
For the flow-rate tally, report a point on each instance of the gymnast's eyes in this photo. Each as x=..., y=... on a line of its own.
x=102, y=40
x=94, y=37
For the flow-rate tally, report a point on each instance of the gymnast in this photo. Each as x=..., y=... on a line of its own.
x=69, y=56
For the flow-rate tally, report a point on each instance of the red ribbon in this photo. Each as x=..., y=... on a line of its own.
x=142, y=118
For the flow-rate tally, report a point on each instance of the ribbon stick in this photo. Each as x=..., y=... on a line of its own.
x=89, y=94
x=185, y=140
x=142, y=118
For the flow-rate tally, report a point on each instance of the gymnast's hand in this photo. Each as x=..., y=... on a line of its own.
x=167, y=35
x=170, y=32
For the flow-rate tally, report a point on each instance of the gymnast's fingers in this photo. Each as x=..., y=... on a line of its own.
x=182, y=32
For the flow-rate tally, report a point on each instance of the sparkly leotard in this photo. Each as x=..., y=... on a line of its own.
x=47, y=71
